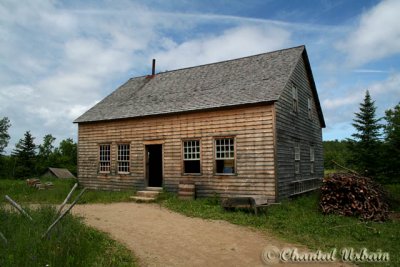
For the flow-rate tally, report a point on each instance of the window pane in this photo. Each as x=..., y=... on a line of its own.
x=104, y=158
x=312, y=154
x=295, y=98
x=191, y=166
x=297, y=167
x=297, y=152
x=191, y=150
x=224, y=148
x=123, y=158
x=225, y=166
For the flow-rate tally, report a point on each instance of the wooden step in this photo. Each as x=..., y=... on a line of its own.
x=149, y=188
x=139, y=199
x=145, y=193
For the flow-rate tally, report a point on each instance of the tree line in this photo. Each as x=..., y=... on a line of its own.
x=28, y=159
x=374, y=149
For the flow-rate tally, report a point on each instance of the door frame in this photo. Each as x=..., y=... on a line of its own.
x=145, y=159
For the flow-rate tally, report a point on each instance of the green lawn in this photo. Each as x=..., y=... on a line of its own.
x=71, y=243
x=300, y=221
x=20, y=192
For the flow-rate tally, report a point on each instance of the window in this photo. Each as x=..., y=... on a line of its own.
x=191, y=156
x=312, y=159
x=123, y=158
x=104, y=160
x=225, y=155
x=297, y=158
x=295, y=99
x=309, y=109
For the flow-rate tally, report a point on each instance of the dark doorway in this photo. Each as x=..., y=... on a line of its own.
x=154, y=165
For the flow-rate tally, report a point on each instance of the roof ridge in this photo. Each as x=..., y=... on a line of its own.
x=251, y=79
x=220, y=62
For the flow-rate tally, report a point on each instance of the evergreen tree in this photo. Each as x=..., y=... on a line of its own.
x=365, y=145
x=392, y=144
x=25, y=156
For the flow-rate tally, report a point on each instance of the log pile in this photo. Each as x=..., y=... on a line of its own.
x=353, y=195
x=36, y=183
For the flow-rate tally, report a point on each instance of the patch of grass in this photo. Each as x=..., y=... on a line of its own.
x=300, y=221
x=20, y=192
x=71, y=243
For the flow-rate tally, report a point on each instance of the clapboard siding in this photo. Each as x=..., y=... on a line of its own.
x=292, y=127
x=252, y=127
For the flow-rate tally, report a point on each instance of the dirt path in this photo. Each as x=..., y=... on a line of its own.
x=159, y=237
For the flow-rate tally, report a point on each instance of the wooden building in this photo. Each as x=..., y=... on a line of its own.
x=59, y=173
x=244, y=127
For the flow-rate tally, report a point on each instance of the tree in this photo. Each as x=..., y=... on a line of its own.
x=335, y=151
x=66, y=155
x=45, y=156
x=4, y=136
x=365, y=145
x=392, y=143
x=25, y=156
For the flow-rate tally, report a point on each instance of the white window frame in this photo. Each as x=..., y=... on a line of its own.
x=221, y=149
x=221, y=153
x=104, y=158
x=191, y=152
x=297, y=157
x=309, y=106
x=295, y=99
x=312, y=159
x=191, y=149
x=123, y=158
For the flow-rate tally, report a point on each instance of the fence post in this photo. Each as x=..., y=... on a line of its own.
x=66, y=199
x=64, y=213
x=18, y=207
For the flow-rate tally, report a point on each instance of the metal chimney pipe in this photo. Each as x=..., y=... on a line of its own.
x=153, y=70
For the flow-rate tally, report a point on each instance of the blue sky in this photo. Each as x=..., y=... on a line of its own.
x=59, y=58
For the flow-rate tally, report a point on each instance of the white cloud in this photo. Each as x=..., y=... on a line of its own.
x=57, y=62
x=379, y=90
x=377, y=35
x=339, y=111
x=233, y=43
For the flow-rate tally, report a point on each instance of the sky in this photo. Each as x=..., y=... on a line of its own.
x=59, y=58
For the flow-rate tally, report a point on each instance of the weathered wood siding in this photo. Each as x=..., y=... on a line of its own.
x=297, y=127
x=252, y=128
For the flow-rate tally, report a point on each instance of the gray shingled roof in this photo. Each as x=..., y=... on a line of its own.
x=254, y=79
x=61, y=173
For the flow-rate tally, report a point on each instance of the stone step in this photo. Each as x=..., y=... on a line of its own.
x=139, y=199
x=145, y=193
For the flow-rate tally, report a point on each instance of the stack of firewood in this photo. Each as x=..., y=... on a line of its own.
x=36, y=183
x=353, y=195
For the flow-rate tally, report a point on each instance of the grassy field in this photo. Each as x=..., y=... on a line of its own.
x=71, y=243
x=20, y=192
x=300, y=221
